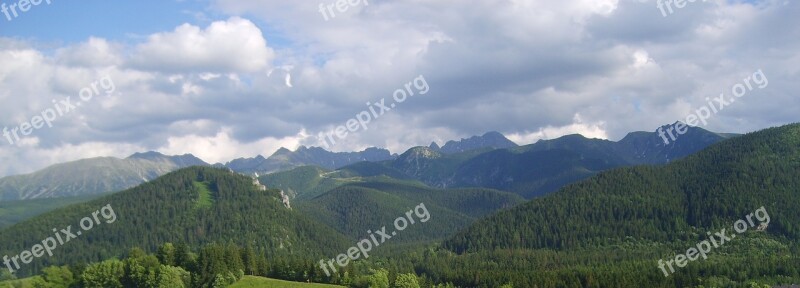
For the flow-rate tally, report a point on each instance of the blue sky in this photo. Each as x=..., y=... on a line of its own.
x=126, y=21
x=74, y=21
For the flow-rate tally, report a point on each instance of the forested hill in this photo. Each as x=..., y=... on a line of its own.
x=352, y=203
x=195, y=206
x=379, y=201
x=679, y=201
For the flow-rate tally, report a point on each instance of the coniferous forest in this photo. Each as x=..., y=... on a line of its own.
x=209, y=227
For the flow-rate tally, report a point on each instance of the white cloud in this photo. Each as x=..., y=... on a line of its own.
x=235, y=45
x=221, y=148
x=96, y=52
x=28, y=158
x=588, y=130
x=522, y=67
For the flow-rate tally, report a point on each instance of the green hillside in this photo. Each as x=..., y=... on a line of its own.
x=305, y=182
x=614, y=227
x=371, y=169
x=713, y=188
x=12, y=212
x=472, y=202
x=171, y=209
x=379, y=204
x=381, y=199
x=534, y=173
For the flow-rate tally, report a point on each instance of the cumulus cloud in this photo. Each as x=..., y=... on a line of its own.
x=96, y=52
x=235, y=45
x=217, y=148
x=594, y=130
x=531, y=69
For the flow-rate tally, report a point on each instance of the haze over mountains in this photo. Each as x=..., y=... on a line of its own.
x=490, y=160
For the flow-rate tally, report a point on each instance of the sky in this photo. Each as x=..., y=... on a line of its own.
x=224, y=79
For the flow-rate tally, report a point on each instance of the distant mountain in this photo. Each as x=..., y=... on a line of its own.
x=493, y=140
x=490, y=161
x=543, y=167
x=418, y=162
x=185, y=160
x=245, y=165
x=649, y=148
x=677, y=202
x=92, y=176
x=284, y=159
x=540, y=168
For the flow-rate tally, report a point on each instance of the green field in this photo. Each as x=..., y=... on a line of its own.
x=252, y=281
x=205, y=199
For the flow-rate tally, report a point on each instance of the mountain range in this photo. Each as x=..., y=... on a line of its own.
x=490, y=161
x=107, y=174
x=493, y=140
x=284, y=159
x=543, y=167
